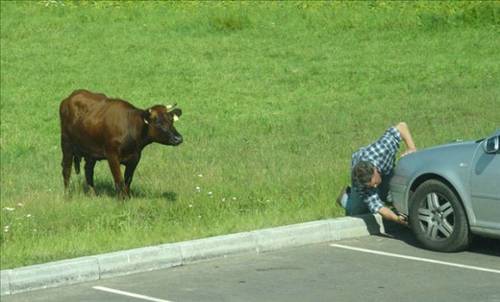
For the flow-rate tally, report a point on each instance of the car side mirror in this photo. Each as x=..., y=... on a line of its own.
x=492, y=145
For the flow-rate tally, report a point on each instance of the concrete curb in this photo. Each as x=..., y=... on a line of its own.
x=120, y=263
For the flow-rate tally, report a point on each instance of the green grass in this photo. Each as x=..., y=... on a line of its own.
x=276, y=97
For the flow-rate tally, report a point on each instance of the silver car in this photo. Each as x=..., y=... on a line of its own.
x=450, y=192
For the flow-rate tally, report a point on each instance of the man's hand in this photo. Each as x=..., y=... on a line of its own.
x=396, y=217
x=402, y=219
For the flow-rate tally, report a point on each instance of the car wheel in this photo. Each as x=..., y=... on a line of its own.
x=437, y=218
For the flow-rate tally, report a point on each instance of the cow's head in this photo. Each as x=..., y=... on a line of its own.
x=160, y=120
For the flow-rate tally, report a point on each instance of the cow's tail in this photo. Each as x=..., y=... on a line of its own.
x=77, y=160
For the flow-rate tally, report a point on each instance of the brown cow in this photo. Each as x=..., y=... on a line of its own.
x=96, y=127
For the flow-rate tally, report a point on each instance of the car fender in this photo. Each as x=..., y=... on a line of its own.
x=458, y=183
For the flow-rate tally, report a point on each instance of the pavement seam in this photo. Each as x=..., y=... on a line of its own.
x=108, y=265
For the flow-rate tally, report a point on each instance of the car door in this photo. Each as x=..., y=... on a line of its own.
x=485, y=183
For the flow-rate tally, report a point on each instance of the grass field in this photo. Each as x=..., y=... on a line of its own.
x=275, y=96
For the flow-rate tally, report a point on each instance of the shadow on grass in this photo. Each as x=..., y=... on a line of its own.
x=108, y=189
x=170, y=196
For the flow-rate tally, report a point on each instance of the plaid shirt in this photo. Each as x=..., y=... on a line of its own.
x=382, y=154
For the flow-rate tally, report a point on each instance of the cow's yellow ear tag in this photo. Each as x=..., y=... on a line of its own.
x=176, y=118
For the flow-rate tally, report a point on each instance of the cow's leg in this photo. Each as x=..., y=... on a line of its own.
x=76, y=160
x=67, y=161
x=129, y=173
x=89, y=174
x=114, y=166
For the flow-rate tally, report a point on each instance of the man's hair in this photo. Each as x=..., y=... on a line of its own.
x=362, y=173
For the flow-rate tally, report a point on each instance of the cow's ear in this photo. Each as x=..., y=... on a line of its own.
x=176, y=113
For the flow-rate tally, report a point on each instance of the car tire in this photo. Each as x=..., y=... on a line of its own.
x=437, y=218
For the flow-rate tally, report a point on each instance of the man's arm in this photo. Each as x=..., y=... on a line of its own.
x=406, y=136
x=388, y=214
x=375, y=205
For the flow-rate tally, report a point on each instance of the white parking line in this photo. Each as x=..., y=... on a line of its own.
x=124, y=293
x=477, y=268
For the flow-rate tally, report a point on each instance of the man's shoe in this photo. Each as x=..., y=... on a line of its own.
x=345, y=190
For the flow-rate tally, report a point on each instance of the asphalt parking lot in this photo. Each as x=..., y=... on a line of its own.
x=374, y=268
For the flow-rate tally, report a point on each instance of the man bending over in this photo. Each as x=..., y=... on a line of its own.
x=372, y=168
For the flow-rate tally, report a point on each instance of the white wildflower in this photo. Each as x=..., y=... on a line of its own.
x=190, y=205
x=9, y=209
x=198, y=189
x=200, y=175
x=20, y=205
x=28, y=216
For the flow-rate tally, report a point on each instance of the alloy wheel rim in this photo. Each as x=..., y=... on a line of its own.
x=436, y=217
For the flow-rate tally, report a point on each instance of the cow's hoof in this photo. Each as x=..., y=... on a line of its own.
x=91, y=192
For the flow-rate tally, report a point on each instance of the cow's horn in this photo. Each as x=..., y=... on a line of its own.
x=169, y=107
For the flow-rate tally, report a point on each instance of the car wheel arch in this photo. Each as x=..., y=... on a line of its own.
x=428, y=176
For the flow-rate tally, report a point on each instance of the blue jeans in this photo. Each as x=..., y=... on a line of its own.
x=355, y=204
